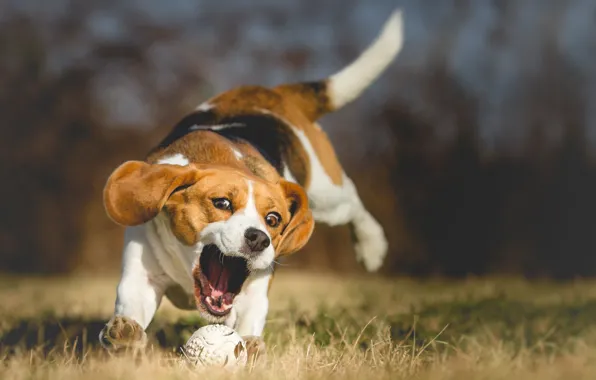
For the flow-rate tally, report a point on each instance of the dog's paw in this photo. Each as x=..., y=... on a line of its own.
x=371, y=244
x=255, y=348
x=122, y=332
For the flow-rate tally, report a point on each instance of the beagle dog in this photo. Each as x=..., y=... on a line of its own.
x=236, y=185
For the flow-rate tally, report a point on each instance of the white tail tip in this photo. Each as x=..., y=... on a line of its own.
x=347, y=84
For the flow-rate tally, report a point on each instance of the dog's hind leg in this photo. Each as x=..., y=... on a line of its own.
x=334, y=200
x=340, y=204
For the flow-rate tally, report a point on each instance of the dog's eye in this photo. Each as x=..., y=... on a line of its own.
x=273, y=219
x=222, y=203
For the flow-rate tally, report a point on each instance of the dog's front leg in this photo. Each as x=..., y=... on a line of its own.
x=139, y=293
x=250, y=314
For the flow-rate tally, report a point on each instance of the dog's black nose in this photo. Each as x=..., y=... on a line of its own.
x=256, y=239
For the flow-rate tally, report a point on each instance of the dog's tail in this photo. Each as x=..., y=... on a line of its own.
x=318, y=98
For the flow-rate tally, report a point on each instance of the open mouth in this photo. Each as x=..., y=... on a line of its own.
x=218, y=280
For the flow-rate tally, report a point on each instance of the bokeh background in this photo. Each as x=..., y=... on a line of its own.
x=475, y=150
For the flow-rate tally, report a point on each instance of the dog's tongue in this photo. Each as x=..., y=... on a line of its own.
x=218, y=276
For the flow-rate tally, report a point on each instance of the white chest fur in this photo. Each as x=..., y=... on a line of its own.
x=175, y=259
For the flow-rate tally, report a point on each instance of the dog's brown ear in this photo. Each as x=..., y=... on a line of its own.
x=296, y=233
x=136, y=191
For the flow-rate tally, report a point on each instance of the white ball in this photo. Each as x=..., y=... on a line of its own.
x=216, y=345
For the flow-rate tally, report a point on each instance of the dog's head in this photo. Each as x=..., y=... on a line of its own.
x=237, y=224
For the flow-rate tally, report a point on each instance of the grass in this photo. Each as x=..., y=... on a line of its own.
x=321, y=326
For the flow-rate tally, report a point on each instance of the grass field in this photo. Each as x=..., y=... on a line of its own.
x=322, y=326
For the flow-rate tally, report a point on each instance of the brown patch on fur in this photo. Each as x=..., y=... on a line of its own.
x=325, y=152
x=268, y=199
x=208, y=147
x=196, y=274
x=255, y=162
x=297, y=104
x=199, y=147
x=137, y=191
x=179, y=298
x=296, y=233
x=188, y=218
x=310, y=97
x=288, y=106
x=289, y=200
x=255, y=100
x=298, y=162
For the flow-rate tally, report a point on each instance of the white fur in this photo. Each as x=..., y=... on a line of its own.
x=204, y=107
x=175, y=159
x=287, y=174
x=175, y=259
x=143, y=282
x=238, y=154
x=216, y=127
x=371, y=245
x=251, y=305
x=228, y=235
x=347, y=84
x=331, y=204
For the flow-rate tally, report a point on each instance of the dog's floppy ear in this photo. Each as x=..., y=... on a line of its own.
x=296, y=233
x=136, y=191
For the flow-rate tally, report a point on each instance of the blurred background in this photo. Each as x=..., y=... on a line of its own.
x=475, y=150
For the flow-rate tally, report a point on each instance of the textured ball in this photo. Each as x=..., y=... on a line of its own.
x=215, y=345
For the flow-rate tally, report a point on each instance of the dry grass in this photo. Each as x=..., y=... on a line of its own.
x=322, y=326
